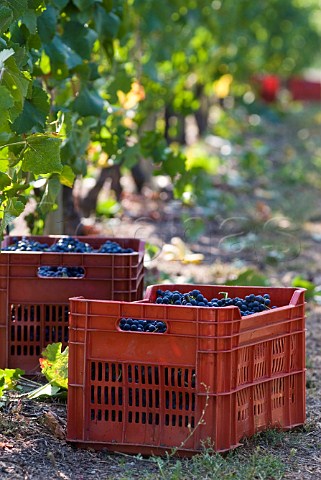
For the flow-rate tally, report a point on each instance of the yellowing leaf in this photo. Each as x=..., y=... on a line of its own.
x=4, y=159
x=54, y=365
x=222, y=86
x=45, y=63
x=9, y=378
x=133, y=97
x=67, y=176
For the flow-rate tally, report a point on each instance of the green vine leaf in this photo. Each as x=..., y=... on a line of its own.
x=19, y=7
x=15, y=81
x=88, y=103
x=79, y=38
x=6, y=99
x=67, y=176
x=4, y=55
x=61, y=56
x=4, y=159
x=42, y=155
x=47, y=24
x=49, y=197
x=13, y=209
x=60, y=3
x=30, y=21
x=5, y=181
x=9, y=378
x=107, y=23
x=83, y=4
x=6, y=104
x=37, y=5
x=6, y=17
x=34, y=113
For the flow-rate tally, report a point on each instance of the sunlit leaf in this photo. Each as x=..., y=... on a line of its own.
x=9, y=378
x=15, y=81
x=45, y=63
x=54, y=365
x=42, y=155
x=4, y=159
x=67, y=176
x=249, y=277
x=13, y=209
x=46, y=390
x=108, y=208
x=302, y=282
x=4, y=55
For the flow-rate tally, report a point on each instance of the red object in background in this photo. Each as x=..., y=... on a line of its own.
x=270, y=85
x=267, y=86
x=302, y=89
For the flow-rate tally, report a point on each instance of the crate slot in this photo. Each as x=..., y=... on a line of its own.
x=142, y=392
x=51, y=272
x=25, y=330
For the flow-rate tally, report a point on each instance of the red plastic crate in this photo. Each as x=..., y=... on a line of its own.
x=34, y=310
x=305, y=90
x=214, y=372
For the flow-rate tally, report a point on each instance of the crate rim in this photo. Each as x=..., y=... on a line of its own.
x=141, y=250
x=145, y=301
x=262, y=287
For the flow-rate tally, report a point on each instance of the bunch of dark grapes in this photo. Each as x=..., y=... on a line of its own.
x=65, y=245
x=25, y=245
x=250, y=304
x=69, y=244
x=113, y=247
x=47, y=271
x=134, y=325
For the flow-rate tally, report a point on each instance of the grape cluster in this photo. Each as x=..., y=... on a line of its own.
x=65, y=245
x=250, y=304
x=134, y=325
x=69, y=244
x=26, y=245
x=47, y=271
x=113, y=247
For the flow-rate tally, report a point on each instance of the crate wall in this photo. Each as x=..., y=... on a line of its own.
x=212, y=375
x=34, y=310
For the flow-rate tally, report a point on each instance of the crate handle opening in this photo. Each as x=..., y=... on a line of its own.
x=128, y=324
x=48, y=271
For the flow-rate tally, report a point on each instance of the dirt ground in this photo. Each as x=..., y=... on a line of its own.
x=32, y=433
